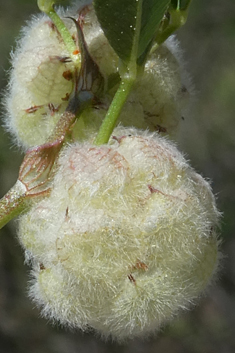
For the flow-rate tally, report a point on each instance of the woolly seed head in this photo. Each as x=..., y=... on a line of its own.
x=41, y=81
x=126, y=239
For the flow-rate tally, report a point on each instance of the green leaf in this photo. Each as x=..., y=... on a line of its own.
x=134, y=28
x=152, y=14
x=117, y=19
x=130, y=25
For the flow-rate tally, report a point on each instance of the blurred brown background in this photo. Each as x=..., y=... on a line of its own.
x=208, y=139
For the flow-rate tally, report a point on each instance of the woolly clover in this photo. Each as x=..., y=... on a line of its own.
x=126, y=238
x=44, y=68
x=120, y=231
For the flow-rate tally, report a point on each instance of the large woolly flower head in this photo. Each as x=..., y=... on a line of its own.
x=41, y=81
x=126, y=238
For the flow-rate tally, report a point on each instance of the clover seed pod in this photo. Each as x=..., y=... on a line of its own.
x=126, y=239
x=40, y=83
x=42, y=75
x=161, y=94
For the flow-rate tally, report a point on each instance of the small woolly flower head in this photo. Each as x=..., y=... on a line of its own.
x=126, y=238
x=160, y=94
x=42, y=76
x=40, y=83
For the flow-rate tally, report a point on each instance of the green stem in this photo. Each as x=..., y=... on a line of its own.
x=47, y=6
x=115, y=108
x=12, y=204
x=64, y=32
x=128, y=73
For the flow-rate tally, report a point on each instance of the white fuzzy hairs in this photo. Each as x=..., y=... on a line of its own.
x=126, y=239
x=128, y=235
x=41, y=82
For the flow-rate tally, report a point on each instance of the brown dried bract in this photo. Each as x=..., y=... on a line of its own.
x=154, y=190
x=131, y=278
x=66, y=98
x=140, y=266
x=160, y=128
x=53, y=109
x=33, y=109
x=68, y=75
